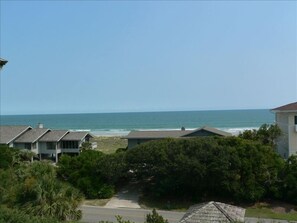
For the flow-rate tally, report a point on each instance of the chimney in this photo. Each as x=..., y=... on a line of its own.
x=40, y=125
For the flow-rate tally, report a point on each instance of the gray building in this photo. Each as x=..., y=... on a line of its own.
x=44, y=142
x=137, y=137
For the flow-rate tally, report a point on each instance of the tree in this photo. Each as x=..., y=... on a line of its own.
x=155, y=218
x=34, y=189
x=289, y=180
x=94, y=173
x=204, y=167
x=86, y=146
x=266, y=134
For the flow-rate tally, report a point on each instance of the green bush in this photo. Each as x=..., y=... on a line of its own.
x=154, y=217
x=106, y=191
x=16, y=216
x=92, y=172
x=203, y=167
x=289, y=180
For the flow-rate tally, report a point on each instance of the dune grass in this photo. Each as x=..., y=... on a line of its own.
x=109, y=144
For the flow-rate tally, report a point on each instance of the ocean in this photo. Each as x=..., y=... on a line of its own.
x=119, y=124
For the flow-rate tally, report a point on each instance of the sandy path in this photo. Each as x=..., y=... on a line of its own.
x=127, y=197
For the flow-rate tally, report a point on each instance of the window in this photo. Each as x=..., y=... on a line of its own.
x=50, y=145
x=69, y=144
x=27, y=146
x=295, y=120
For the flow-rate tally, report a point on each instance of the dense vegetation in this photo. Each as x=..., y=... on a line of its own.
x=197, y=169
x=29, y=189
x=94, y=173
x=243, y=169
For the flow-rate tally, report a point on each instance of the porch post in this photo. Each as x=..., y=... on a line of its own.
x=57, y=152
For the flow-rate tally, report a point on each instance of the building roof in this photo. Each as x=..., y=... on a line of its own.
x=213, y=212
x=292, y=107
x=53, y=136
x=31, y=135
x=156, y=134
x=76, y=136
x=209, y=129
x=172, y=133
x=10, y=133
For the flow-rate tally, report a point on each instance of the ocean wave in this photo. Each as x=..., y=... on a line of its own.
x=80, y=130
x=110, y=132
x=124, y=132
x=237, y=131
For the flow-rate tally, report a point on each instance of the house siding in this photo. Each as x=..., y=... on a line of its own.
x=287, y=142
x=134, y=142
x=292, y=135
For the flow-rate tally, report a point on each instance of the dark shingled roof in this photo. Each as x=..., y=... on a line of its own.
x=9, y=133
x=53, y=136
x=32, y=135
x=172, y=133
x=156, y=134
x=289, y=107
x=213, y=212
x=210, y=129
x=75, y=136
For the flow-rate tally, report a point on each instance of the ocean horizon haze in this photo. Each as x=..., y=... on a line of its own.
x=119, y=124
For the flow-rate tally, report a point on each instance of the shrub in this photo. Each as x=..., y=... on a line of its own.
x=155, y=218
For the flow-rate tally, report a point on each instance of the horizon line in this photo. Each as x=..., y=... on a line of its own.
x=125, y=112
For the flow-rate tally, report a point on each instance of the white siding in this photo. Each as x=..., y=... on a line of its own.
x=287, y=143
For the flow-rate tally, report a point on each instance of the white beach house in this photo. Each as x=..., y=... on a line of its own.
x=286, y=119
x=44, y=142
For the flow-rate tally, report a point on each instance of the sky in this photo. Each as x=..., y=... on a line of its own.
x=129, y=56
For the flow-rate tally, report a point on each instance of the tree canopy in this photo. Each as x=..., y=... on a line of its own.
x=33, y=188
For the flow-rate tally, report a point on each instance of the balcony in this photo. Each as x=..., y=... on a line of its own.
x=94, y=145
x=70, y=150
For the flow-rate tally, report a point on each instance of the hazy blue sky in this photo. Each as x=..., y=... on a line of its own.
x=99, y=56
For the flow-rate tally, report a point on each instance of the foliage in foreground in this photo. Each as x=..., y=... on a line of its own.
x=34, y=189
x=8, y=215
x=153, y=217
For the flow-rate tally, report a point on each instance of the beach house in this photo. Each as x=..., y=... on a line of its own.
x=137, y=137
x=286, y=119
x=45, y=143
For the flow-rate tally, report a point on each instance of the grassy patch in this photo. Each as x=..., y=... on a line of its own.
x=96, y=202
x=274, y=211
x=109, y=144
